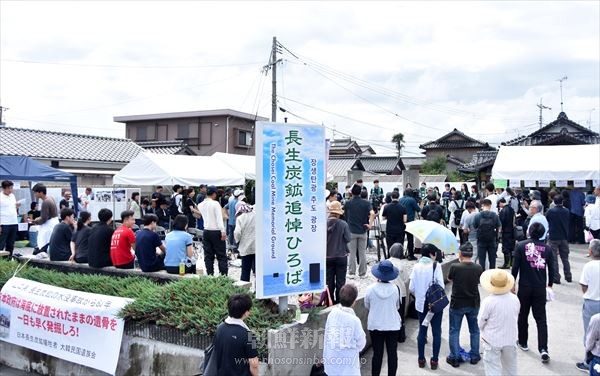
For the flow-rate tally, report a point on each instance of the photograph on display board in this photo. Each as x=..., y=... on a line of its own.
x=4, y=322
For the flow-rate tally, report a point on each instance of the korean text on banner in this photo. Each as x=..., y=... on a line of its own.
x=579, y=183
x=514, y=183
x=561, y=183
x=543, y=183
x=291, y=229
x=80, y=327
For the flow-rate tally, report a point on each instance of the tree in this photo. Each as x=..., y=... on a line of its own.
x=398, y=139
x=436, y=166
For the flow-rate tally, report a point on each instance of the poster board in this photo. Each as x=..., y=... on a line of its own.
x=79, y=327
x=291, y=217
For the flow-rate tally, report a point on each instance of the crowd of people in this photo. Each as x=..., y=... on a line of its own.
x=533, y=233
x=136, y=242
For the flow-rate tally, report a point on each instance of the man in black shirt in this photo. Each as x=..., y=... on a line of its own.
x=60, y=242
x=99, y=241
x=432, y=211
x=464, y=302
x=487, y=223
x=535, y=265
x=234, y=345
x=558, y=235
x=396, y=218
x=146, y=242
x=359, y=216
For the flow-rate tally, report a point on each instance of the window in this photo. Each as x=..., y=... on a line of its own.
x=206, y=133
x=141, y=133
x=244, y=138
x=162, y=132
x=183, y=131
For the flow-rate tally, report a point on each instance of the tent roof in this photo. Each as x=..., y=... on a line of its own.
x=571, y=162
x=25, y=168
x=243, y=164
x=161, y=169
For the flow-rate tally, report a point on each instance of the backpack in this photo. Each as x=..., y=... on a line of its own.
x=173, y=208
x=486, y=232
x=436, y=295
x=458, y=213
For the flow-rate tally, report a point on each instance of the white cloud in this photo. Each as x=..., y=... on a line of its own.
x=477, y=66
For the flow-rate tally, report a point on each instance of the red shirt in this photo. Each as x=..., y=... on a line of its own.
x=120, y=246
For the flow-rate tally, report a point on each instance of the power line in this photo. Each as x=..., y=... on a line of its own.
x=388, y=92
x=128, y=66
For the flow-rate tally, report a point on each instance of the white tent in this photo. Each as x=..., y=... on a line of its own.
x=572, y=162
x=163, y=169
x=243, y=164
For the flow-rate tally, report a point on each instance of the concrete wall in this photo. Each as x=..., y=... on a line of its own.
x=138, y=356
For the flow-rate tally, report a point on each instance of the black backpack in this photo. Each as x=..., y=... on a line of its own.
x=173, y=209
x=486, y=232
x=458, y=213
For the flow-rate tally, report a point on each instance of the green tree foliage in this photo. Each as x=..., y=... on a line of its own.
x=436, y=166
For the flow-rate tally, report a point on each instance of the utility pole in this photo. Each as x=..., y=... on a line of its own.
x=274, y=80
x=561, y=93
x=542, y=107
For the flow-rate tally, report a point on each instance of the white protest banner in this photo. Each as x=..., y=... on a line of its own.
x=529, y=183
x=291, y=219
x=561, y=183
x=543, y=183
x=514, y=183
x=596, y=183
x=579, y=183
x=80, y=327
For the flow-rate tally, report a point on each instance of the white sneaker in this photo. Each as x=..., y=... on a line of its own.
x=522, y=347
x=351, y=276
x=364, y=276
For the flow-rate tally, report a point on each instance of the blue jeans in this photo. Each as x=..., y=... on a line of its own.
x=436, y=329
x=456, y=317
x=593, y=363
x=590, y=308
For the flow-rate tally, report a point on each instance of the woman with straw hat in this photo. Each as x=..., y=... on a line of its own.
x=497, y=320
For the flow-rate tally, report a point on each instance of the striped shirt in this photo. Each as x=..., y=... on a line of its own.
x=497, y=319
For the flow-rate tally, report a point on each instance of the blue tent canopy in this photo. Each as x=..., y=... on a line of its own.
x=25, y=168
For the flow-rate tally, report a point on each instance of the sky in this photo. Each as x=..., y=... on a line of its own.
x=367, y=70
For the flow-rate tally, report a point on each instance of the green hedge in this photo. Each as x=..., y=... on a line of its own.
x=195, y=306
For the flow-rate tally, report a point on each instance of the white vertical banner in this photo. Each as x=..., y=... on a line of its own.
x=80, y=327
x=290, y=204
x=579, y=183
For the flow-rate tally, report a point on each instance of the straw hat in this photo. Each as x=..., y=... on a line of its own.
x=336, y=208
x=497, y=281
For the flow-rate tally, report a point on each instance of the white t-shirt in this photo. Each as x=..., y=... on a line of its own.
x=494, y=199
x=8, y=209
x=591, y=278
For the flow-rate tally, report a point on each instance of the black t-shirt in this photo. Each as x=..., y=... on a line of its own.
x=394, y=214
x=432, y=212
x=357, y=213
x=81, y=240
x=146, y=242
x=60, y=242
x=234, y=345
x=465, y=279
x=188, y=212
x=99, y=246
x=533, y=263
x=64, y=204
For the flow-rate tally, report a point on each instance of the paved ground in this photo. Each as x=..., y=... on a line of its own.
x=565, y=336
